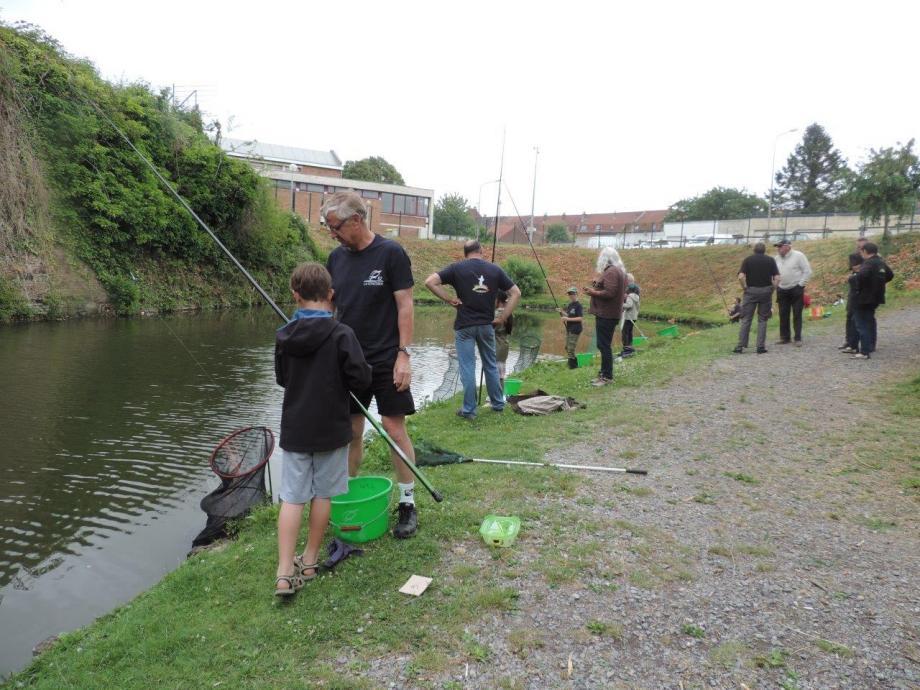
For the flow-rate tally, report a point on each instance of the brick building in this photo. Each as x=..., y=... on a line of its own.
x=625, y=228
x=301, y=179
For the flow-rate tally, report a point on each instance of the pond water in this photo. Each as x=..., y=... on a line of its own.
x=105, y=431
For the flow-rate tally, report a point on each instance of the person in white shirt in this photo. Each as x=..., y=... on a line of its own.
x=794, y=272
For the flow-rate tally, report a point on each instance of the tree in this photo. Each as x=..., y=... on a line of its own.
x=526, y=275
x=452, y=217
x=373, y=169
x=815, y=178
x=719, y=203
x=888, y=184
x=556, y=232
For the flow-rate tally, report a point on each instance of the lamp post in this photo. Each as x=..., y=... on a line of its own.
x=292, y=168
x=772, y=171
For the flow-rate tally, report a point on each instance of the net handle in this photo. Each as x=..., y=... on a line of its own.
x=271, y=448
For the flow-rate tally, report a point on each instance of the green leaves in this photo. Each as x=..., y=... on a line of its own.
x=815, y=178
x=373, y=169
x=719, y=203
x=452, y=217
x=888, y=183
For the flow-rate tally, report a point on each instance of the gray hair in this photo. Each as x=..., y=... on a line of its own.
x=609, y=257
x=344, y=205
x=760, y=248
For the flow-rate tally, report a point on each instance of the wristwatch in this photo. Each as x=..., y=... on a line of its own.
x=404, y=349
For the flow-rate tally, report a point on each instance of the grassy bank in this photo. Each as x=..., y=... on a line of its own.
x=681, y=284
x=213, y=622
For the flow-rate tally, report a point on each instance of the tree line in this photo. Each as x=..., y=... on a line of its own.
x=817, y=179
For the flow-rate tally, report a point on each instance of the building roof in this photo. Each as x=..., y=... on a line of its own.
x=277, y=152
x=346, y=183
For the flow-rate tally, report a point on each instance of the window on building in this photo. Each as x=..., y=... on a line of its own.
x=597, y=227
x=315, y=187
x=423, y=206
x=386, y=200
x=410, y=206
x=369, y=194
x=399, y=203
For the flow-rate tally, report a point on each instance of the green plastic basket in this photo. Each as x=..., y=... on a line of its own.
x=498, y=530
x=585, y=359
x=669, y=332
x=640, y=340
x=512, y=386
x=362, y=514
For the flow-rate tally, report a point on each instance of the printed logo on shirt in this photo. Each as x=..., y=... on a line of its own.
x=375, y=278
x=481, y=286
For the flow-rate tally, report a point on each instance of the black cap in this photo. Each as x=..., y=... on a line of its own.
x=782, y=243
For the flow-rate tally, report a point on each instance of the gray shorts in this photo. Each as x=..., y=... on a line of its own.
x=305, y=476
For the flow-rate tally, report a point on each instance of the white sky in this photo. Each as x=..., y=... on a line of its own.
x=633, y=107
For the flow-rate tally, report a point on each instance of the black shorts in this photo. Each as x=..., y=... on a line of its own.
x=390, y=402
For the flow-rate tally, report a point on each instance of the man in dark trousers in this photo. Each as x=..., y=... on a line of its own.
x=758, y=276
x=476, y=282
x=851, y=338
x=794, y=272
x=372, y=279
x=874, y=274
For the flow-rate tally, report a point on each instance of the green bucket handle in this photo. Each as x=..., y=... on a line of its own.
x=358, y=528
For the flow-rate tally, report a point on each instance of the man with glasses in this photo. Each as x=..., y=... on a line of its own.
x=372, y=283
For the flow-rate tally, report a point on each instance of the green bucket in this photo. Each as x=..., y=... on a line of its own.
x=362, y=514
x=585, y=359
x=669, y=332
x=512, y=386
x=640, y=340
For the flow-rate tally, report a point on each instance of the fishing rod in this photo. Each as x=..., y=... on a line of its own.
x=498, y=207
x=532, y=248
x=436, y=495
x=713, y=276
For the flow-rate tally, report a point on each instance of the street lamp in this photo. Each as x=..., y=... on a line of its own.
x=292, y=168
x=772, y=171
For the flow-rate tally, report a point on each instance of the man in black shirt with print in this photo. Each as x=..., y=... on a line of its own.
x=759, y=276
x=476, y=282
x=372, y=283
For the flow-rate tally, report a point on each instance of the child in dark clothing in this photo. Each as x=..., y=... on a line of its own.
x=572, y=318
x=734, y=314
x=317, y=361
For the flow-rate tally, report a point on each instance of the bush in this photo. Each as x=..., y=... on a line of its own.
x=123, y=293
x=12, y=304
x=526, y=275
x=556, y=232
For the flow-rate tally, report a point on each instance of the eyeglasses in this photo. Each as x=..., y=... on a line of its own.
x=338, y=226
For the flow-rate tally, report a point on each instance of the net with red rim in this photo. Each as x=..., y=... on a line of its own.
x=243, y=452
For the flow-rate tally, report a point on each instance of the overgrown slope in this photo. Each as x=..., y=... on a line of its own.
x=67, y=179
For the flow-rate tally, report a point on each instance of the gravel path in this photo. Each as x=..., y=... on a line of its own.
x=800, y=570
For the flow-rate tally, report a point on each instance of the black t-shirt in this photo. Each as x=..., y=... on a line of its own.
x=476, y=282
x=573, y=310
x=759, y=269
x=364, y=283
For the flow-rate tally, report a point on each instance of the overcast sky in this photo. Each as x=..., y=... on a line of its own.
x=632, y=107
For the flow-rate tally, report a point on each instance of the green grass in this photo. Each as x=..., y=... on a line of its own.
x=693, y=631
x=214, y=619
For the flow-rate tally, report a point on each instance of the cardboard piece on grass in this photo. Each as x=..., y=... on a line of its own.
x=415, y=585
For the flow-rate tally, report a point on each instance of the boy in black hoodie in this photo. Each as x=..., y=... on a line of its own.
x=317, y=361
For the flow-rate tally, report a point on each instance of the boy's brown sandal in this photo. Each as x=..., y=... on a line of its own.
x=301, y=567
x=294, y=583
